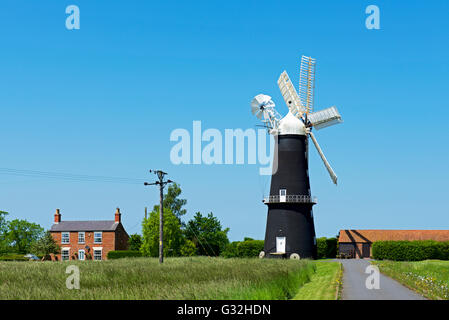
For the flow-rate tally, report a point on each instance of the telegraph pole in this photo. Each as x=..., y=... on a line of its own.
x=160, y=175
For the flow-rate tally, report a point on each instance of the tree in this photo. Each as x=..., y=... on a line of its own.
x=135, y=242
x=207, y=234
x=45, y=246
x=3, y=225
x=173, y=238
x=172, y=202
x=21, y=234
x=3, y=230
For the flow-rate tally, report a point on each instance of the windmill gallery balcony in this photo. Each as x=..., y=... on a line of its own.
x=292, y=198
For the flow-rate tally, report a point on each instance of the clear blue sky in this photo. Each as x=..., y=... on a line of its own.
x=104, y=99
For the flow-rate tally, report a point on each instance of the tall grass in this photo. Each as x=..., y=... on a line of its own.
x=145, y=278
x=429, y=277
x=324, y=282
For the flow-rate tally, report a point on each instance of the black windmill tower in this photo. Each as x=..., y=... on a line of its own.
x=290, y=230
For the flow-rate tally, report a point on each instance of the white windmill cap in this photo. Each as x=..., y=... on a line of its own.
x=291, y=125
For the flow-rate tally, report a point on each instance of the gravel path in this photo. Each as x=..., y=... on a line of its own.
x=354, y=288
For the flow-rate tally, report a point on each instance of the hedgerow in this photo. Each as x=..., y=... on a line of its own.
x=410, y=250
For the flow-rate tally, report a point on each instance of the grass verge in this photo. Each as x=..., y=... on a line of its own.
x=324, y=284
x=145, y=278
x=429, y=277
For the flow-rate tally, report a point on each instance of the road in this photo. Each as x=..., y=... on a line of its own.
x=354, y=287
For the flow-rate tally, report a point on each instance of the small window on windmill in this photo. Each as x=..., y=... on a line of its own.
x=282, y=195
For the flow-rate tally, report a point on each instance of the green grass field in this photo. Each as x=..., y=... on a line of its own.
x=429, y=277
x=144, y=278
x=324, y=282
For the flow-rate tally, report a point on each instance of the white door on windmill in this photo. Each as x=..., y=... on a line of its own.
x=282, y=195
x=280, y=244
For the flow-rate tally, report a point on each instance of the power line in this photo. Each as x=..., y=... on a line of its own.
x=68, y=176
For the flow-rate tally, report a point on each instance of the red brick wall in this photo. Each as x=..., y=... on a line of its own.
x=121, y=238
x=108, y=243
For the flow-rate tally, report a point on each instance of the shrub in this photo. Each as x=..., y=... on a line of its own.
x=326, y=247
x=243, y=249
x=410, y=250
x=13, y=257
x=321, y=248
x=230, y=250
x=188, y=249
x=249, y=248
x=123, y=254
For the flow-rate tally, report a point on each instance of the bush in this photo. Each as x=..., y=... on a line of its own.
x=250, y=248
x=188, y=249
x=123, y=254
x=13, y=257
x=243, y=249
x=230, y=250
x=326, y=247
x=410, y=250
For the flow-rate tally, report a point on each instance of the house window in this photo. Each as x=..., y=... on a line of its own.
x=97, y=254
x=98, y=237
x=81, y=237
x=65, y=254
x=65, y=237
x=81, y=255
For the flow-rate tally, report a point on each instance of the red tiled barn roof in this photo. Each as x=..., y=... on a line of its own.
x=378, y=235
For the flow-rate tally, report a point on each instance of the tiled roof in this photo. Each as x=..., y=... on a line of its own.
x=379, y=235
x=85, y=226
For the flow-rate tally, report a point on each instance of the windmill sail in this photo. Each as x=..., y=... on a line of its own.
x=290, y=96
x=324, y=118
x=326, y=163
x=263, y=108
x=307, y=82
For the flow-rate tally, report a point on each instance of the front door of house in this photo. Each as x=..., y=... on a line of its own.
x=81, y=255
x=280, y=244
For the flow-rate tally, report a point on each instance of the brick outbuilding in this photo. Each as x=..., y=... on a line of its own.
x=82, y=240
x=358, y=243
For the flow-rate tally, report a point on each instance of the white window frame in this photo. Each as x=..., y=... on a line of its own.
x=62, y=237
x=84, y=237
x=62, y=254
x=95, y=238
x=101, y=253
x=79, y=254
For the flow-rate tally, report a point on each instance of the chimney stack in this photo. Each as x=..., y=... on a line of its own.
x=118, y=216
x=57, y=216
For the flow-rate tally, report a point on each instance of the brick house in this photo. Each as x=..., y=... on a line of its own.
x=358, y=243
x=81, y=240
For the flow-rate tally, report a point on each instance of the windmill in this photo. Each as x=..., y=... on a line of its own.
x=290, y=230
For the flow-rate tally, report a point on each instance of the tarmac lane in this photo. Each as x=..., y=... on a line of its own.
x=355, y=286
